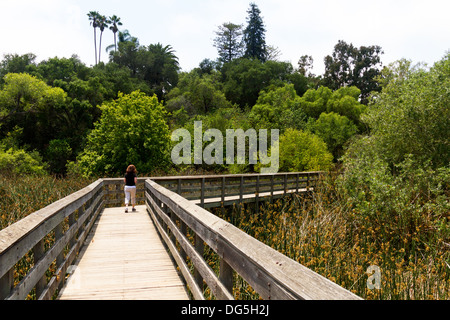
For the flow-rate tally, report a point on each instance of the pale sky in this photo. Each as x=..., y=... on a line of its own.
x=411, y=29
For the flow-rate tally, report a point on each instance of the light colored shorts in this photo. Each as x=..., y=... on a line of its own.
x=130, y=194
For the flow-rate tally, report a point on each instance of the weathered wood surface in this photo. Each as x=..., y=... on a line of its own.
x=28, y=234
x=124, y=259
x=270, y=273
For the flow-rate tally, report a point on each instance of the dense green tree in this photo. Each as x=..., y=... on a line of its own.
x=278, y=108
x=29, y=103
x=335, y=130
x=14, y=63
x=411, y=115
x=255, y=35
x=229, y=42
x=57, y=154
x=208, y=66
x=127, y=54
x=63, y=69
x=243, y=79
x=352, y=66
x=20, y=161
x=303, y=151
x=132, y=129
x=23, y=93
x=161, y=68
x=156, y=64
x=197, y=94
x=343, y=101
x=400, y=171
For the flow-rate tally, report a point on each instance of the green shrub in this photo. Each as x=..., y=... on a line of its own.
x=19, y=161
x=303, y=151
x=131, y=130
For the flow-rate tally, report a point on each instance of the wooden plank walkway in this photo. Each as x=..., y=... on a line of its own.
x=124, y=258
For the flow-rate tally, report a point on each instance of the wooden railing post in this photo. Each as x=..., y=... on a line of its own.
x=257, y=195
x=184, y=232
x=38, y=253
x=6, y=284
x=71, y=223
x=307, y=182
x=271, y=188
x=241, y=189
x=199, y=247
x=285, y=184
x=60, y=258
x=226, y=275
x=202, y=194
x=222, y=196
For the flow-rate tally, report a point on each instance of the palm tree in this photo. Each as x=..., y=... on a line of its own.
x=102, y=24
x=162, y=74
x=94, y=17
x=115, y=23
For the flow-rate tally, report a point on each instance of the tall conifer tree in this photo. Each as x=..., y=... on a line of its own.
x=254, y=35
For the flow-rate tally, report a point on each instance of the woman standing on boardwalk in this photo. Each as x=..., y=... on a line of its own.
x=130, y=180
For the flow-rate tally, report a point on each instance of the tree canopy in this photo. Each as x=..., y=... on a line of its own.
x=131, y=130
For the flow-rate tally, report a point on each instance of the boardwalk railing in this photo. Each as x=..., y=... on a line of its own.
x=64, y=224
x=216, y=190
x=270, y=273
x=52, y=236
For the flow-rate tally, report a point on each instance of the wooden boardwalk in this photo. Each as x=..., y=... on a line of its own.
x=124, y=258
x=229, y=200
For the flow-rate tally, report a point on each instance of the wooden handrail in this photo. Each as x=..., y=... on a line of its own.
x=81, y=208
x=270, y=273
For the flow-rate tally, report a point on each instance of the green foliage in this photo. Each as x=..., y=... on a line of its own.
x=14, y=63
x=197, y=94
x=303, y=151
x=228, y=42
x=132, y=129
x=15, y=160
x=351, y=66
x=314, y=101
x=155, y=64
x=335, y=130
x=411, y=115
x=57, y=155
x=278, y=108
x=20, y=161
x=343, y=101
x=254, y=35
x=398, y=177
x=243, y=79
x=402, y=200
x=24, y=93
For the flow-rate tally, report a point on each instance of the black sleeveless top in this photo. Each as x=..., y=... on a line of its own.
x=129, y=177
